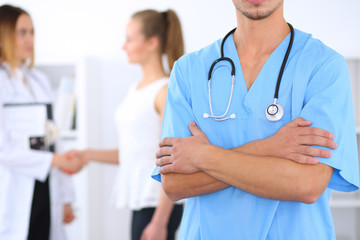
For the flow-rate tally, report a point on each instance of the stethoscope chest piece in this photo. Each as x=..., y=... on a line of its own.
x=274, y=112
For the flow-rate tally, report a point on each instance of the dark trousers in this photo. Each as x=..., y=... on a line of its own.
x=141, y=218
x=40, y=212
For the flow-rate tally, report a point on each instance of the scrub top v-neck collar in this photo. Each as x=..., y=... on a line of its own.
x=263, y=87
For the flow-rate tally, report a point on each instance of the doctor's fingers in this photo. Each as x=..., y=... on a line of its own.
x=74, y=153
x=315, y=132
x=317, y=141
x=313, y=151
x=164, y=161
x=68, y=214
x=299, y=122
x=168, y=141
x=164, y=151
x=300, y=158
x=75, y=165
x=196, y=132
x=68, y=218
x=166, y=169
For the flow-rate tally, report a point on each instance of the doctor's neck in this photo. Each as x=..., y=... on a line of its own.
x=260, y=36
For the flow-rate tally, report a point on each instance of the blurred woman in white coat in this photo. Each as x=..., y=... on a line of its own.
x=35, y=195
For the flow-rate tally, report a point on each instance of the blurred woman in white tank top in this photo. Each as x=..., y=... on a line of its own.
x=149, y=35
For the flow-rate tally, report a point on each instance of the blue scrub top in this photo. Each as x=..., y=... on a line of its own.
x=315, y=86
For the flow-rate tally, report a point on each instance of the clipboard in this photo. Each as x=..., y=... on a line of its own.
x=30, y=125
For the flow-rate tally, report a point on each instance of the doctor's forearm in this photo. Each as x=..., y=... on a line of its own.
x=179, y=186
x=268, y=177
x=255, y=147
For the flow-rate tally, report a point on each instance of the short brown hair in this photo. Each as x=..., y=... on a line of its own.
x=8, y=19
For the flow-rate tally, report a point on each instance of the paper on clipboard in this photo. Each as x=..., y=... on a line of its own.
x=25, y=121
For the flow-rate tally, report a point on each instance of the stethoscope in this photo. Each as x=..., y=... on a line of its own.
x=274, y=112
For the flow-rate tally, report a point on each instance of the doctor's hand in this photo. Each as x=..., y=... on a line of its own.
x=179, y=155
x=298, y=141
x=69, y=164
x=68, y=213
x=81, y=155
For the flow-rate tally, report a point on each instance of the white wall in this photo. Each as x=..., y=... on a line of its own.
x=69, y=30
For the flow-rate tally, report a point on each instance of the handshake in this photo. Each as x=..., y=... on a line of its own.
x=70, y=162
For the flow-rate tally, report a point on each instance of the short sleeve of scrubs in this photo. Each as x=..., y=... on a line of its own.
x=328, y=104
x=178, y=112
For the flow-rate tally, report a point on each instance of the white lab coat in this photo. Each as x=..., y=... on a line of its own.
x=19, y=168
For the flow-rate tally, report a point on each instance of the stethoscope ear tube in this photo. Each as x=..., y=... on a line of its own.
x=219, y=60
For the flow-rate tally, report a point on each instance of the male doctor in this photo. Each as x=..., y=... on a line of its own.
x=247, y=177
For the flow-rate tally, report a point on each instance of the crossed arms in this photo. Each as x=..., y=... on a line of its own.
x=281, y=167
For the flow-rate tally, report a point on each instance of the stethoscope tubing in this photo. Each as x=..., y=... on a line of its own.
x=284, y=62
x=270, y=114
